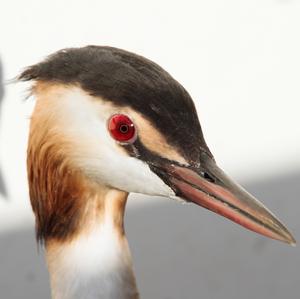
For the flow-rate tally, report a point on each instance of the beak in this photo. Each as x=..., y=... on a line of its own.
x=208, y=186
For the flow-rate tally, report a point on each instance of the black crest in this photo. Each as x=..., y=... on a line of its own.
x=127, y=79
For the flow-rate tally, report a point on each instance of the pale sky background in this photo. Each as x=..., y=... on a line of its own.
x=239, y=60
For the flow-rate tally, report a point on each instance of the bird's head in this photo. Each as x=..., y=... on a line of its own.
x=122, y=122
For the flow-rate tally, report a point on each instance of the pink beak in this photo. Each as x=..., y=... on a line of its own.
x=208, y=186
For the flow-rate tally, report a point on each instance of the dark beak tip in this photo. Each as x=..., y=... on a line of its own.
x=283, y=233
x=291, y=240
x=286, y=237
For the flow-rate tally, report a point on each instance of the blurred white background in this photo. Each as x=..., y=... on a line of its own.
x=240, y=62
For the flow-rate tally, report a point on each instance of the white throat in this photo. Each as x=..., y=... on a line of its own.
x=95, y=265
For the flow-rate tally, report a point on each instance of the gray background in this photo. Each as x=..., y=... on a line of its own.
x=183, y=251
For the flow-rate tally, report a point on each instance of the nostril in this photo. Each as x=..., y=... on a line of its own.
x=208, y=177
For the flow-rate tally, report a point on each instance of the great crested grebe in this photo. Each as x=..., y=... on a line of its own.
x=108, y=122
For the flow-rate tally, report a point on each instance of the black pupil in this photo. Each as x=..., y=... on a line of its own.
x=124, y=128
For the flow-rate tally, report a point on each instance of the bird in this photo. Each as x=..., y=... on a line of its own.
x=108, y=122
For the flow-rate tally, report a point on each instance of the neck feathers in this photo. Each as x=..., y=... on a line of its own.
x=61, y=196
x=64, y=198
x=96, y=264
x=79, y=220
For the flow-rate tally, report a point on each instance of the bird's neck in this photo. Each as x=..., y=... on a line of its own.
x=96, y=262
x=79, y=220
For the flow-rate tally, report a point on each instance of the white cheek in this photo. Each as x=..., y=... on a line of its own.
x=99, y=155
x=108, y=164
x=127, y=173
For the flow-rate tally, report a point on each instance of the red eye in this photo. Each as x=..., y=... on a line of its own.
x=121, y=128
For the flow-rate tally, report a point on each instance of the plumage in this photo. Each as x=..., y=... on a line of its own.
x=128, y=80
x=80, y=174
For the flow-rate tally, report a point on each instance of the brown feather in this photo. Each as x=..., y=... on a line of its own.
x=63, y=198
